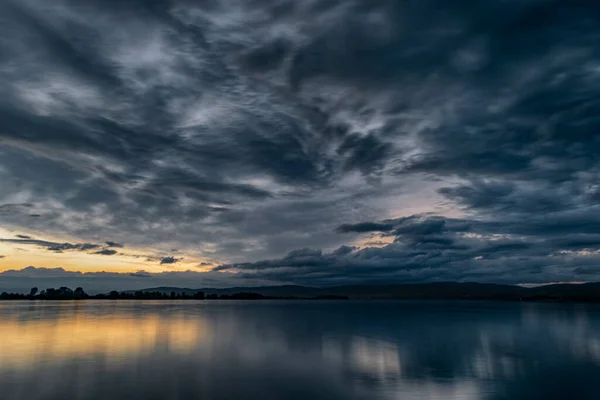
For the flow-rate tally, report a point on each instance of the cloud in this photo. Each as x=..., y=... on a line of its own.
x=241, y=131
x=69, y=246
x=140, y=274
x=163, y=260
x=169, y=260
x=11, y=208
x=108, y=249
x=52, y=246
x=365, y=227
x=430, y=248
x=23, y=237
x=106, y=252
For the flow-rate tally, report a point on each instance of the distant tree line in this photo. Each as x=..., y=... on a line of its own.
x=62, y=293
x=65, y=293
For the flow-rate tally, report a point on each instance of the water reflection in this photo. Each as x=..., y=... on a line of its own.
x=71, y=333
x=298, y=350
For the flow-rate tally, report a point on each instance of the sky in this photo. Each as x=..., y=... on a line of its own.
x=223, y=143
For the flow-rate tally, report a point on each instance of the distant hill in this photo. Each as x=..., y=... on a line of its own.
x=440, y=291
x=268, y=291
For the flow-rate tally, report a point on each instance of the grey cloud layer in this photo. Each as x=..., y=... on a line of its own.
x=240, y=130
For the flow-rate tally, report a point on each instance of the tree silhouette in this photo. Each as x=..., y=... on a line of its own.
x=65, y=293
x=199, y=296
x=33, y=291
x=79, y=294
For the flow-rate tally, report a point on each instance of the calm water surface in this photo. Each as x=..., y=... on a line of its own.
x=99, y=350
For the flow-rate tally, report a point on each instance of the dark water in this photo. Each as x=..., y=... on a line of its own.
x=298, y=350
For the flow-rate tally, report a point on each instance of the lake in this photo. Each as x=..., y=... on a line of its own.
x=185, y=350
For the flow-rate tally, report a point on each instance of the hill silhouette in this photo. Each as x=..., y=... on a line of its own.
x=439, y=291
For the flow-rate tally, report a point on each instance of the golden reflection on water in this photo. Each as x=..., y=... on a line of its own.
x=74, y=333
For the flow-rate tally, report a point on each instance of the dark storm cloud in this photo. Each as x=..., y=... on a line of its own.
x=365, y=227
x=433, y=248
x=414, y=225
x=114, y=244
x=68, y=246
x=169, y=260
x=240, y=130
x=106, y=252
x=266, y=57
x=52, y=246
x=366, y=154
x=516, y=197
